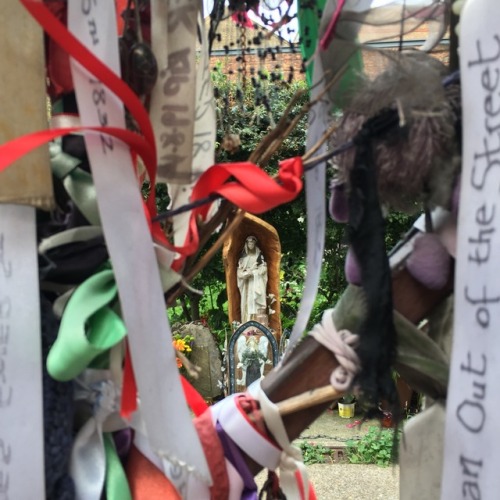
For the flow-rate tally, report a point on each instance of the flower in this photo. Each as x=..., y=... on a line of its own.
x=182, y=344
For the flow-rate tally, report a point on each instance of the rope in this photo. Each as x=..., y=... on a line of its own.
x=341, y=344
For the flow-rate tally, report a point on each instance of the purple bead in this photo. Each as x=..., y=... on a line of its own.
x=429, y=262
x=352, y=269
x=339, y=209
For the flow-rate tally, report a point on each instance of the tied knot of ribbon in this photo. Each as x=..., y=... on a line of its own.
x=293, y=473
x=248, y=187
x=342, y=344
x=105, y=399
x=94, y=463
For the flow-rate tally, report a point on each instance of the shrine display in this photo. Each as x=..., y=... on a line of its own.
x=123, y=176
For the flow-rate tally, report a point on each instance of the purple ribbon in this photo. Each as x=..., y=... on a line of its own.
x=233, y=454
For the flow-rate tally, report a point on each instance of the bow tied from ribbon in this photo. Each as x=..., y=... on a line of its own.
x=106, y=399
x=250, y=188
x=89, y=327
x=293, y=473
x=245, y=185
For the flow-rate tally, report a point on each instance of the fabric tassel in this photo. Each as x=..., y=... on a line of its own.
x=377, y=333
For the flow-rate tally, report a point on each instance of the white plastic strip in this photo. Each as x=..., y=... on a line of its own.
x=21, y=408
x=291, y=457
x=472, y=440
x=166, y=415
x=316, y=209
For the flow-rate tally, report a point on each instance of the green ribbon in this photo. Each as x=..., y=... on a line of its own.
x=309, y=23
x=89, y=327
x=117, y=487
x=78, y=182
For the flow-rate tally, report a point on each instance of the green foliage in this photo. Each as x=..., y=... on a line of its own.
x=314, y=453
x=377, y=446
x=347, y=399
x=397, y=224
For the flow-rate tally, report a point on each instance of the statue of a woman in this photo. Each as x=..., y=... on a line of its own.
x=252, y=280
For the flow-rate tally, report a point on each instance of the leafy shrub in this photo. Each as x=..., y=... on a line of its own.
x=314, y=453
x=377, y=446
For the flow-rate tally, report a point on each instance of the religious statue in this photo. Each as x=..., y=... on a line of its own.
x=253, y=357
x=252, y=280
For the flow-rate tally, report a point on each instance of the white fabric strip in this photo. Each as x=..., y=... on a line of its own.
x=236, y=484
x=472, y=440
x=188, y=485
x=291, y=458
x=88, y=457
x=21, y=408
x=203, y=141
x=76, y=234
x=316, y=210
x=169, y=426
x=173, y=97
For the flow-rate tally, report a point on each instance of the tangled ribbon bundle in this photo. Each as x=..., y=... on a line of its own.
x=250, y=188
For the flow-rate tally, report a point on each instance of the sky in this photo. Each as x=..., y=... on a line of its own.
x=207, y=4
x=293, y=26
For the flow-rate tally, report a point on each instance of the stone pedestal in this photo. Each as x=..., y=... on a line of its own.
x=206, y=355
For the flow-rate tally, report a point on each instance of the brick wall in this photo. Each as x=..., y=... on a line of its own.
x=281, y=56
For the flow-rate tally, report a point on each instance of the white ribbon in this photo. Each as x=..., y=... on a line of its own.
x=75, y=234
x=88, y=457
x=315, y=203
x=21, y=407
x=203, y=143
x=182, y=102
x=291, y=460
x=472, y=440
x=170, y=429
x=174, y=27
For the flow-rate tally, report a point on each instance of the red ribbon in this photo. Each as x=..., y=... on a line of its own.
x=129, y=392
x=194, y=399
x=67, y=41
x=128, y=403
x=250, y=189
x=332, y=26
